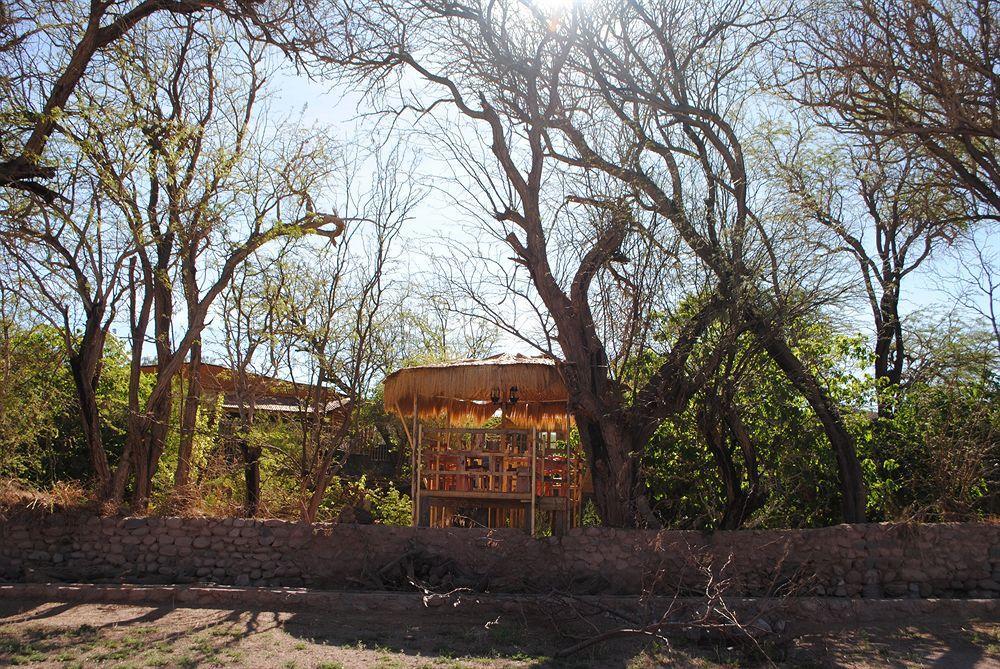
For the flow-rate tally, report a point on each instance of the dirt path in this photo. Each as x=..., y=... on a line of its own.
x=83, y=635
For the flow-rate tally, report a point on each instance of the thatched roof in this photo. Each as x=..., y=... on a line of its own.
x=464, y=388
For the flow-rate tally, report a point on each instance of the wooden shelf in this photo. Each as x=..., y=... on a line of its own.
x=472, y=494
x=467, y=472
x=447, y=452
x=494, y=495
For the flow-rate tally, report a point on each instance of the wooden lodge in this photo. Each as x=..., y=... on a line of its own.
x=279, y=400
x=489, y=444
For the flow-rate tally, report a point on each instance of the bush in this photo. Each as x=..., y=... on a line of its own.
x=940, y=455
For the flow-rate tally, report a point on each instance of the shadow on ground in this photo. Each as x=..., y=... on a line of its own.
x=45, y=634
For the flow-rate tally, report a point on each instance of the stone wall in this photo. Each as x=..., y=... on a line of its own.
x=878, y=560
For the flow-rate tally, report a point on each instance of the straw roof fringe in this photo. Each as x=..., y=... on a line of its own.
x=463, y=390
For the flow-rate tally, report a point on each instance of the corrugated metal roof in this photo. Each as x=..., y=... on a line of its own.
x=281, y=405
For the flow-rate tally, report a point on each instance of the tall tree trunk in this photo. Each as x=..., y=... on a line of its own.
x=85, y=378
x=888, y=350
x=153, y=445
x=189, y=419
x=615, y=471
x=150, y=443
x=139, y=311
x=723, y=432
x=318, y=481
x=735, y=498
x=848, y=467
x=155, y=426
x=755, y=496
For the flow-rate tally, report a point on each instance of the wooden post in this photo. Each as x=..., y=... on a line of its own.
x=569, y=486
x=416, y=499
x=570, y=467
x=534, y=481
x=415, y=467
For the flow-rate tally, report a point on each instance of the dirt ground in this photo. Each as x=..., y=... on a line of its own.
x=83, y=635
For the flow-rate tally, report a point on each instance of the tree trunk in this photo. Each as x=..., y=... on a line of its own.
x=189, y=419
x=888, y=351
x=320, y=480
x=311, y=507
x=615, y=471
x=735, y=498
x=156, y=424
x=715, y=419
x=848, y=467
x=151, y=443
x=86, y=389
x=754, y=496
x=251, y=473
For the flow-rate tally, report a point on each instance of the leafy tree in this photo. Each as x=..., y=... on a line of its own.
x=748, y=450
x=41, y=438
x=35, y=394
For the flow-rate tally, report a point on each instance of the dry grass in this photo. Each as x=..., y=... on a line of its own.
x=195, y=502
x=61, y=496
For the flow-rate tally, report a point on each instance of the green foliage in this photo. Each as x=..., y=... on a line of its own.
x=36, y=396
x=935, y=455
x=798, y=474
x=41, y=439
x=590, y=516
x=938, y=456
x=391, y=507
x=386, y=504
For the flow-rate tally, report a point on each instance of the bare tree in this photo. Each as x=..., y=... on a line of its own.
x=331, y=321
x=921, y=74
x=728, y=439
x=47, y=49
x=500, y=65
x=251, y=307
x=643, y=94
x=439, y=325
x=882, y=207
x=676, y=81
x=70, y=263
x=213, y=185
x=974, y=282
x=345, y=333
